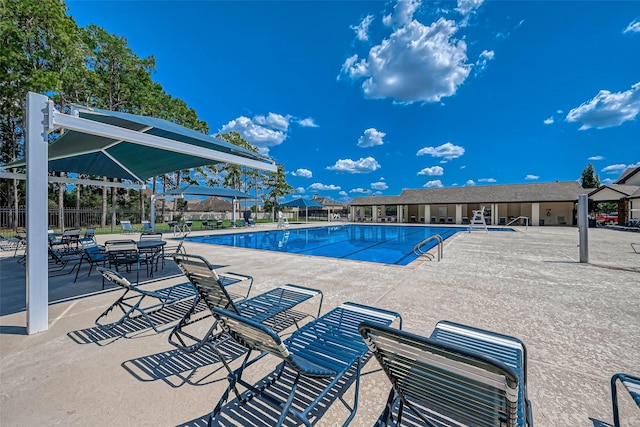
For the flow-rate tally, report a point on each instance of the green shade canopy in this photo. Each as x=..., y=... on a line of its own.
x=84, y=153
x=302, y=203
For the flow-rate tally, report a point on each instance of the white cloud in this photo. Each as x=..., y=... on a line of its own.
x=370, y=138
x=595, y=158
x=256, y=134
x=607, y=109
x=447, y=151
x=343, y=193
x=402, y=13
x=607, y=181
x=265, y=131
x=433, y=171
x=300, y=190
x=304, y=173
x=483, y=61
x=614, y=168
x=358, y=190
x=320, y=186
x=531, y=177
x=363, y=165
x=308, y=123
x=463, y=167
x=379, y=185
x=465, y=7
x=433, y=184
x=487, y=180
x=362, y=29
x=559, y=111
x=416, y=63
x=633, y=27
x=469, y=182
x=548, y=121
x=273, y=120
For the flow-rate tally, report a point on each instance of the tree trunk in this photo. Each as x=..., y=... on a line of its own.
x=61, y=203
x=113, y=205
x=103, y=222
x=78, y=206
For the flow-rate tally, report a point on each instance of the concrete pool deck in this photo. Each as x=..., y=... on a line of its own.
x=580, y=323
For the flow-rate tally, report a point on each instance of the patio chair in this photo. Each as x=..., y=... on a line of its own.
x=123, y=253
x=632, y=384
x=459, y=375
x=213, y=290
x=146, y=226
x=636, y=247
x=327, y=351
x=93, y=254
x=126, y=227
x=131, y=301
x=152, y=255
x=90, y=233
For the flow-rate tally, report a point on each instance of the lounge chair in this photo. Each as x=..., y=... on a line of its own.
x=126, y=227
x=12, y=244
x=212, y=289
x=460, y=375
x=62, y=259
x=146, y=226
x=636, y=247
x=632, y=384
x=131, y=301
x=327, y=350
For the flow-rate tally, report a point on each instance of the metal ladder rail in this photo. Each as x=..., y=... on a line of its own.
x=526, y=221
x=419, y=252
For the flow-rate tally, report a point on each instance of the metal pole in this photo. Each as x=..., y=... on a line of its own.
x=583, y=226
x=39, y=117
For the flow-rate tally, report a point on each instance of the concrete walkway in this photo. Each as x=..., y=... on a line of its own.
x=580, y=323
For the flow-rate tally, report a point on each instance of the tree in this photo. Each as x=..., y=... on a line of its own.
x=276, y=186
x=589, y=178
x=37, y=48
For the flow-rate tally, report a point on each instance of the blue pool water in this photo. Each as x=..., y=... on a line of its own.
x=373, y=243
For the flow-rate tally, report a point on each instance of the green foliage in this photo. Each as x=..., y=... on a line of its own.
x=43, y=50
x=275, y=186
x=589, y=179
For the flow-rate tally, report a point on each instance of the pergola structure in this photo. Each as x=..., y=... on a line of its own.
x=105, y=143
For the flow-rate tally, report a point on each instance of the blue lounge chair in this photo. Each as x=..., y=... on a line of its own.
x=146, y=227
x=326, y=349
x=126, y=227
x=131, y=301
x=272, y=306
x=632, y=384
x=459, y=375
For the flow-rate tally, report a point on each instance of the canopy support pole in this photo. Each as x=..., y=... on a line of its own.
x=39, y=124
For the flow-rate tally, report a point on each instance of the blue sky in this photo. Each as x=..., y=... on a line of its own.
x=358, y=98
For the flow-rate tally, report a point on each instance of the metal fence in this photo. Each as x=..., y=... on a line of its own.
x=72, y=217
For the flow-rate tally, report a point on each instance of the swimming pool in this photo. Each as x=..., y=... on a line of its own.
x=386, y=244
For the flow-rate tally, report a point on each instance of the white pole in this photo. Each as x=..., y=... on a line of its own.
x=36, y=148
x=583, y=226
x=153, y=213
